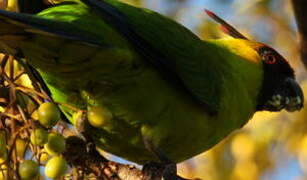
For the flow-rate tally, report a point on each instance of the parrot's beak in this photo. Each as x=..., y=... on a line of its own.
x=294, y=97
x=288, y=96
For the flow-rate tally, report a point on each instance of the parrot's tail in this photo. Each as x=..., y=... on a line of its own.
x=15, y=27
x=10, y=34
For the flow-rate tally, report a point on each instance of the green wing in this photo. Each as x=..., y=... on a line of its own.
x=173, y=50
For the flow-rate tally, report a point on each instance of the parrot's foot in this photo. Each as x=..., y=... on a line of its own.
x=166, y=170
x=158, y=171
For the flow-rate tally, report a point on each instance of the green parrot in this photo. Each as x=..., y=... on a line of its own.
x=169, y=94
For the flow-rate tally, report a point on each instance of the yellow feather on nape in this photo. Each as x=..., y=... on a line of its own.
x=246, y=49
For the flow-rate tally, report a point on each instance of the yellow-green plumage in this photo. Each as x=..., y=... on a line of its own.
x=226, y=74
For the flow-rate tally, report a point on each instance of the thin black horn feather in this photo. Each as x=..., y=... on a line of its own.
x=226, y=27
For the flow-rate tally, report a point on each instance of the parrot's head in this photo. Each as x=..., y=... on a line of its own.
x=279, y=87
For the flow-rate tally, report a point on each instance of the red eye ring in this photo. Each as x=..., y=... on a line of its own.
x=269, y=59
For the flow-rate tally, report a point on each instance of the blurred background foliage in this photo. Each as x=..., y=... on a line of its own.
x=272, y=146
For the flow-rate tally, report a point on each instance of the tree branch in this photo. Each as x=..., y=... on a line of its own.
x=300, y=11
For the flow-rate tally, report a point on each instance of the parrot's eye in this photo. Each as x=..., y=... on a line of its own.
x=269, y=57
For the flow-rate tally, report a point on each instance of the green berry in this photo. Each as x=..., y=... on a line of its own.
x=55, y=144
x=39, y=137
x=48, y=114
x=28, y=170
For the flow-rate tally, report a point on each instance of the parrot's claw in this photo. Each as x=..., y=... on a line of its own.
x=166, y=170
x=153, y=170
x=83, y=128
x=158, y=171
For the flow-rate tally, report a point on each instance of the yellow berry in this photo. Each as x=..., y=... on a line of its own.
x=21, y=147
x=99, y=116
x=56, y=167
